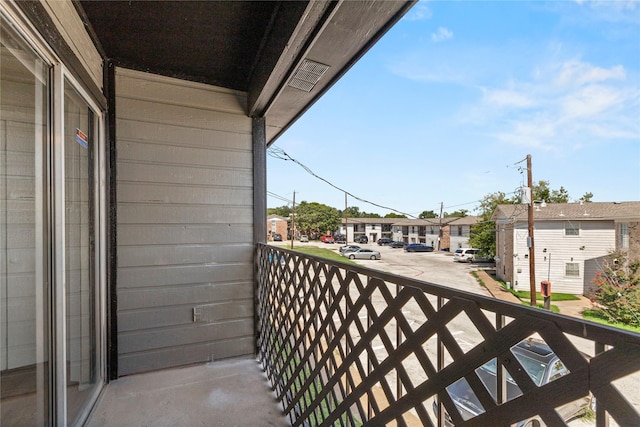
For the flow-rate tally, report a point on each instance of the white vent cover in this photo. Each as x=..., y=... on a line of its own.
x=307, y=75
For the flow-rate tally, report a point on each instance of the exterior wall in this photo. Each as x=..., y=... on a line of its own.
x=595, y=239
x=70, y=26
x=504, y=252
x=277, y=225
x=459, y=240
x=185, y=230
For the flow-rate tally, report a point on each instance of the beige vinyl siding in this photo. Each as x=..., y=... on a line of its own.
x=185, y=223
x=68, y=23
x=596, y=238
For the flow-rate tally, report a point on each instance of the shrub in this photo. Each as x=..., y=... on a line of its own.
x=617, y=293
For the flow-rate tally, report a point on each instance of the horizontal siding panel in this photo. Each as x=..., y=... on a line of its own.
x=184, y=355
x=185, y=220
x=130, y=256
x=159, y=214
x=133, y=277
x=168, y=134
x=175, y=155
x=180, y=316
x=152, y=87
x=153, y=112
x=183, y=194
x=130, y=342
x=144, y=234
x=141, y=298
x=183, y=174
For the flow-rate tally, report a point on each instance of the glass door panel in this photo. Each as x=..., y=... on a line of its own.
x=24, y=260
x=82, y=373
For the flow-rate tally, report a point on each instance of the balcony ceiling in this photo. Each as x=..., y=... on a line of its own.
x=254, y=47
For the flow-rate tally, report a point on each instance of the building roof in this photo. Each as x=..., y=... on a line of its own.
x=277, y=217
x=575, y=211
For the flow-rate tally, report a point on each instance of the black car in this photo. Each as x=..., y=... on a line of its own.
x=277, y=237
x=340, y=238
x=362, y=239
x=384, y=241
x=397, y=244
x=418, y=247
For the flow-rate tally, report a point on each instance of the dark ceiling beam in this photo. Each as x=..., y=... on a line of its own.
x=275, y=64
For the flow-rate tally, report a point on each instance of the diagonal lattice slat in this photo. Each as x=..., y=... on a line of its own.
x=348, y=346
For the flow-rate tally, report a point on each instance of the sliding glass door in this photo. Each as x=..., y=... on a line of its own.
x=24, y=238
x=51, y=239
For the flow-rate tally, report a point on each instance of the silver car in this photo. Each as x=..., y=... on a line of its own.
x=349, y=248
x=362, y=254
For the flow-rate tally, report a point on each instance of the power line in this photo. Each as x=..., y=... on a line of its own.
x=276, y=196
x=279, y=153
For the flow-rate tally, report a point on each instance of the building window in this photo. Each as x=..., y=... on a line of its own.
x=459, y=230
x=572, y=269
x=571, y=229
x=623, y=236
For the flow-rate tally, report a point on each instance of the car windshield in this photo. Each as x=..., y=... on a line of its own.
x=534, y=368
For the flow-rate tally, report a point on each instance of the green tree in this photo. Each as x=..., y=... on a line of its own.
x=586, y=198
x=316, y=218
x=354, y=212
x=483, y=234
x=559, y=196
x=284, y=211
x=428, y=214
x=460, y=213
x=394, y=215
x=618, y=289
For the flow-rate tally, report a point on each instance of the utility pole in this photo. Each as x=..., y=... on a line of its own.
x=293, y=220
x=346, y=233
x=440, y=228
x=532, y=262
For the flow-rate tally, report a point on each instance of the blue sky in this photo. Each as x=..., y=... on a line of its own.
x=443, y=108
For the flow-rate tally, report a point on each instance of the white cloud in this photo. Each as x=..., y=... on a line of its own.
x=419, y=12
x=508, y=98
x=580, y=73
x=590, y=101
x=441, y=35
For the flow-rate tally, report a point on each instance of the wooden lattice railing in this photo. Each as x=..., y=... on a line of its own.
x=348, y=346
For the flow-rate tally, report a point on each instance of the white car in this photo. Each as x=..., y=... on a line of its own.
x=304, y=238
x=467, y=255
x=362, y=254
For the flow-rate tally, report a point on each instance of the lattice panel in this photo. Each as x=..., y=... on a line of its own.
x=349, y=346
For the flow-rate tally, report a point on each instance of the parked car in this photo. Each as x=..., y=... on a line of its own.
x=418, y=247
x=327, y=239
x=277, y=237
x=469, y=255
x=397, y=244
x=349, y=248
x=540, y=363
x=304, y=238
x=362, y=253
x=384, y=241
x=340, y=238
x=362, y=239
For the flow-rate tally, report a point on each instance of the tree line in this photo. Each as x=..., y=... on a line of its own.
x=312, y=218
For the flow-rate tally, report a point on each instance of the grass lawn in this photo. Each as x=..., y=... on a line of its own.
x=526, y=295
x=320, y=252
x=595, y=316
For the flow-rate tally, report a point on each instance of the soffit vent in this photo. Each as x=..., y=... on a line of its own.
x=307, y=75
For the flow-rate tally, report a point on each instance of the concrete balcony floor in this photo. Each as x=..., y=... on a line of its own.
x=232, y=392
